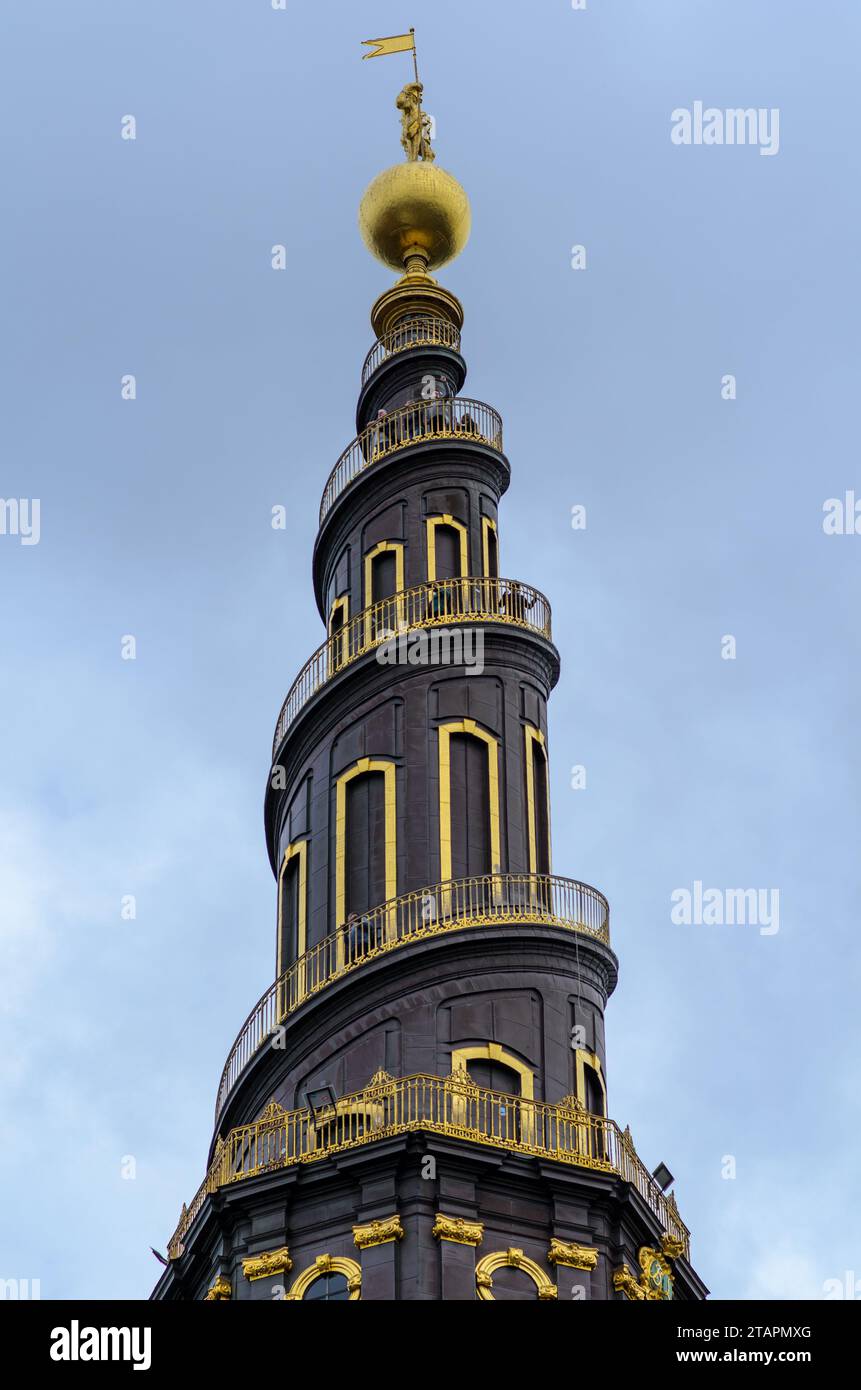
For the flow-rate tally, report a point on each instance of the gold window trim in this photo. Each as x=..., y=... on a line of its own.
x=445, y=731
x=582, y=1055
x=327, y=1264
x=514, y=1259
x=387, y=767
x=446, y=519
x=342, y=604
x=298, y=848
x=487, y=525
x=532, y=737
x=495, y=1052
x=381, y=549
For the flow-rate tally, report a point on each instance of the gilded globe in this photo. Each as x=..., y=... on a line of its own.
x=415, y=204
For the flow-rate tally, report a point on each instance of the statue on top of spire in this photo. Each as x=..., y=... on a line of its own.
x=415, y=124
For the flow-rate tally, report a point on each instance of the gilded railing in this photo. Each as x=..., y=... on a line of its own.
x=509, y=899
x=451, y=1105
x=421, y=331
x=457, y=418
x=436, y=604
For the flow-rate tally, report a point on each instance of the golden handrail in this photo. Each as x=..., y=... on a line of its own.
x=452, y=1105
x=419, y=331
x=455, y=418
x=436, y=604
x=487, y=900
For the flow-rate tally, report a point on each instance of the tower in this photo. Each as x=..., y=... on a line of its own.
x=416, y=1108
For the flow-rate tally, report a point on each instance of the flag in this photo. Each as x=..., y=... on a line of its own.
x=397, y=43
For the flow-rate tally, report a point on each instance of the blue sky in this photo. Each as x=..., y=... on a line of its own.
x=152, y=257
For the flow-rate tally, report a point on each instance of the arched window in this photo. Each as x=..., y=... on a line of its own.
x=447, y=548
x=490, y=1068
x=322, y=1281
x=537, y=800
x=590, y=1089
x=594, y=1091
x=513, y=1285
x=489, y=1285
x=338, y=618
x=469, y=830
x=292, y=904
x=384, y=580
x=366, y=853
x=489, y=548
x=592, y=1095
x=327, y=1288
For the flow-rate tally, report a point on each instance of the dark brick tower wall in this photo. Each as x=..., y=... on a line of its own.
x=417, y=1109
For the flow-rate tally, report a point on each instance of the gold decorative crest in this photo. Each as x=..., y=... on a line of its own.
x=460, y=1080
x=381, y=1081
x=271, y=1262
x=273, y=1111
x=572, y=1103
x=458, y=1230
x=378, y=1232
x=624, y=1282
x=671, y=1247
x=656, y=1275
x=655, y=1283
x=563, y=1252
x=220, y=1292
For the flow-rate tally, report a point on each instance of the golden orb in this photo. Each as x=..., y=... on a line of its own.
x=415, y=208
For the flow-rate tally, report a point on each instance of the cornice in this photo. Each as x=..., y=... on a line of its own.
x=424, y=461
x=431, y=965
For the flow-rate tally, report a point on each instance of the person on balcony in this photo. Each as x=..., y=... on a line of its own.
x=466, y=425
x=359, y=934
x=380, y=434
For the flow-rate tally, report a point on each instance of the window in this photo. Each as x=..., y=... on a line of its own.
x=323, y=1281
x=537, y=801
x=338, y=616
x=592, y=1094
x=384, y=581
x=489, y=548
x=365, y=842
x=292, y=904
x=469, y=828
x=489, y=1067
x=499, y=1119
x=447, y=548
x=328, y=1288
x=512, y=1262
x=512, y=1285
x=470, y=807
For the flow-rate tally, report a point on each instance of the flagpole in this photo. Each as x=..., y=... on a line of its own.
x=415, y=58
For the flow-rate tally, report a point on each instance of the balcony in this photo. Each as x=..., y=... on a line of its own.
x=490, y=900
x=457, y=418
x=421, y=331
x=438, y=604
x=453, y=1106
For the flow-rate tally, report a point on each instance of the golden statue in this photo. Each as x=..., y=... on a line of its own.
x=415, y=124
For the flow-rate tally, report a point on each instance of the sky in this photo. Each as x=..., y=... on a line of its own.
x=732, y=1052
